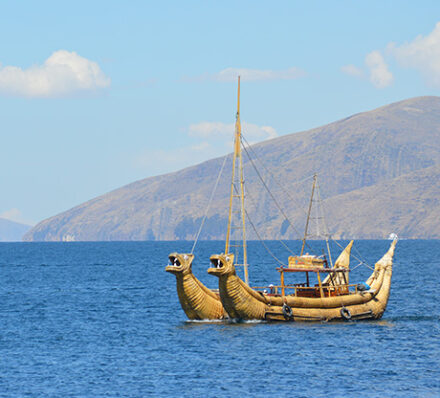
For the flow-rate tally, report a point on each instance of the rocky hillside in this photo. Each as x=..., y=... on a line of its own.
x=378, y=173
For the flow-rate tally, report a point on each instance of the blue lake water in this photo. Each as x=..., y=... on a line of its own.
x=103, y=320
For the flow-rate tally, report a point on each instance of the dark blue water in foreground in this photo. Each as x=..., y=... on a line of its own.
x=103, y=320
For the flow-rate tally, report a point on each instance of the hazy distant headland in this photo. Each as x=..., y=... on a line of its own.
x=379, y=172
x=11, y=231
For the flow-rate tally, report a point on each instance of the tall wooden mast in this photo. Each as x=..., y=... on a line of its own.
x=237, y=190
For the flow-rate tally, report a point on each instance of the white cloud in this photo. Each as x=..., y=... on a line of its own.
x=380, y=76
x=15, y=215
x=214, y=139
x=352, y=70
x=209, y=129
x=252, y=132
x=377, y=70
x=423, y=54
x=64, y=73
x=158, y=161
x=231, y=75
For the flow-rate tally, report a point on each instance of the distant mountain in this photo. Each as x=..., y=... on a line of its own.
x=11, y=231
x=379, y=172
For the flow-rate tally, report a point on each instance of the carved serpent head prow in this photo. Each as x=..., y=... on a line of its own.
x=222, y=265
x=180, y=263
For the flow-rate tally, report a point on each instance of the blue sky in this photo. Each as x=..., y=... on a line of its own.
x=95, y=95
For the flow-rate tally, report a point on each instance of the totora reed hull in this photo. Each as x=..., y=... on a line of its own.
x=243, y=302
x=196, y=299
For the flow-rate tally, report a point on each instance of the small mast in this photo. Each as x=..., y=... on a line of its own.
x=308, y=215
x=237, y=189
x=315, y=187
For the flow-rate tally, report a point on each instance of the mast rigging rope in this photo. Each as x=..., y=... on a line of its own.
x=261, y=240
x=275, y=179
x=327, y=234
x=281, y=241
x=209, y=204
x=271, y=194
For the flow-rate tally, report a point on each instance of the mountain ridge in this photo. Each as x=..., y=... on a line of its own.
x=363, y=150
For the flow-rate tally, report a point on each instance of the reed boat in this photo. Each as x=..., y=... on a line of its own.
x=328, y=301
x=332, y=298
x=197, y=301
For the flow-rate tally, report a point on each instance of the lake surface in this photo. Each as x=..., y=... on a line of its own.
x=104, y=320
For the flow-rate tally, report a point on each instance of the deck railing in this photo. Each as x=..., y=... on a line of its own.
x=339, y=289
